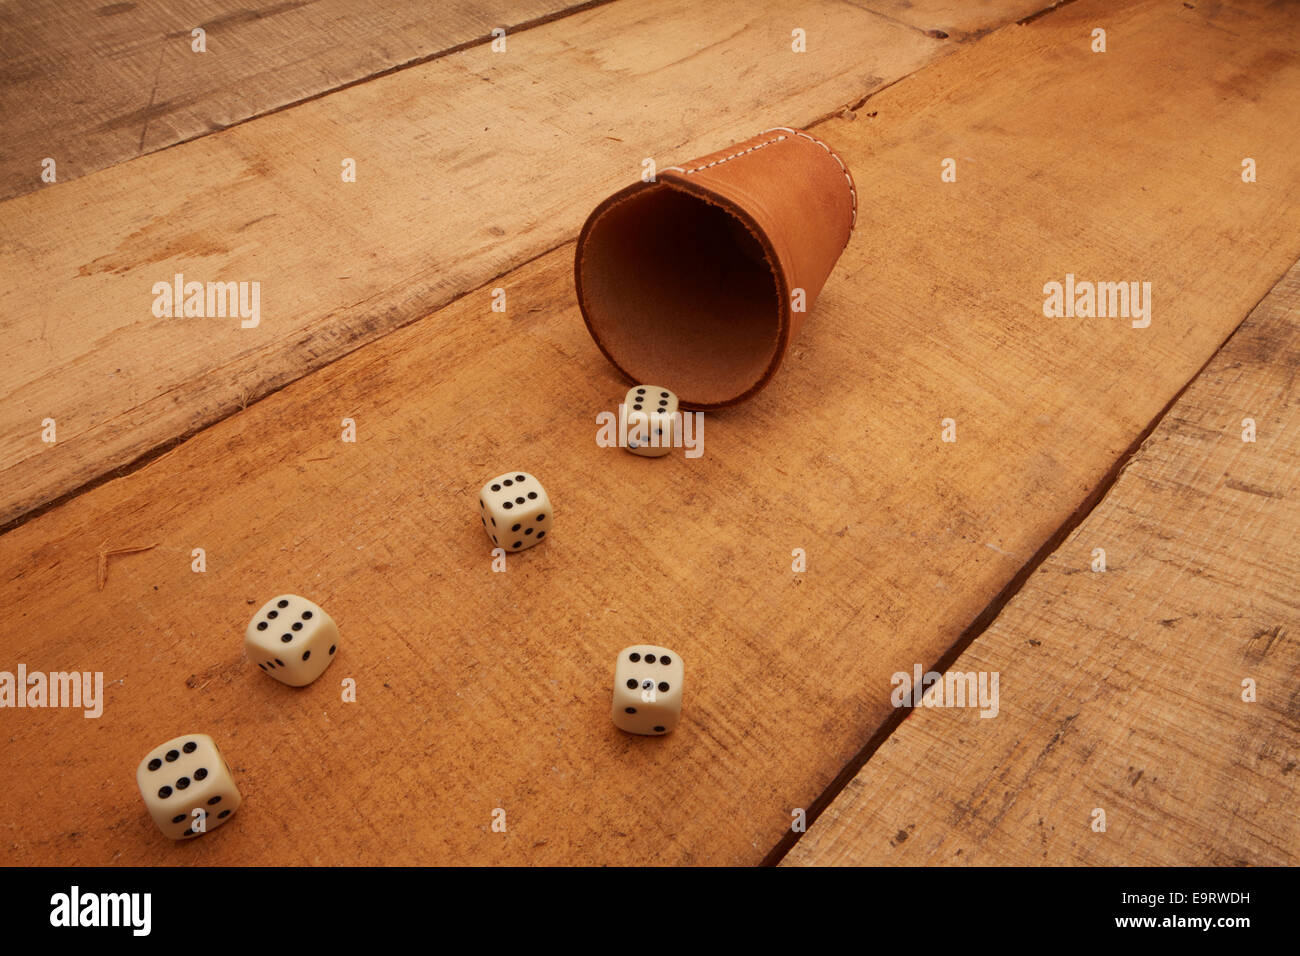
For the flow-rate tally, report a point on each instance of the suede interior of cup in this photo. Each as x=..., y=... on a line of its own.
x=680, y=294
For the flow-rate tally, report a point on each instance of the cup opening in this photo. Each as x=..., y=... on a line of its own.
x=679, y=292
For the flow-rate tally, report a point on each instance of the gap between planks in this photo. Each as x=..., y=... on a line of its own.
x=986, y=617
x=511, y=30
x=1195, y=555
x=246, y=402
x=298, y=41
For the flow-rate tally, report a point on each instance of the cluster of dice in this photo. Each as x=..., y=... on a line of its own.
x=516, y=514
x=186, y=783
x=514, y=507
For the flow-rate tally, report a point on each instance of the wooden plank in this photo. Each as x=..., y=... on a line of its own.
x=962, y=20
x=467, y=167
x=478, y=690
x=1123, y=690
x=91, y=84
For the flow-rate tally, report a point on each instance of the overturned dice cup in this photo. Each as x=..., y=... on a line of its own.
x=690, y=280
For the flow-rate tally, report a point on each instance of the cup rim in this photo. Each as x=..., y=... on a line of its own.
x=680, y=184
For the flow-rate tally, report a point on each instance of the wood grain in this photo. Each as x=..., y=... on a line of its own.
x=467, y=167
x=92, y=84
x=1123, y=690
x=479, y=690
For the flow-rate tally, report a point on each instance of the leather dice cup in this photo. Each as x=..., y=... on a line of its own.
x=688, y=281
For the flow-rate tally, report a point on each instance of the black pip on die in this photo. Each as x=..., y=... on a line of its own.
x=647, y=689
x=291, y=639
x=649, y=415
x=187, y=786
x=515, y=510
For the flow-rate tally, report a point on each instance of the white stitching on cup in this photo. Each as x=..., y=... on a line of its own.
x=719, y=162
x=853, y=195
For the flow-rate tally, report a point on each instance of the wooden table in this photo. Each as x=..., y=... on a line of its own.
x=1146, y=711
